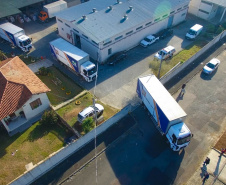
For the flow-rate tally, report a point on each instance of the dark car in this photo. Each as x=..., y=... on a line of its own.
x=115, y=58
x=165, y=33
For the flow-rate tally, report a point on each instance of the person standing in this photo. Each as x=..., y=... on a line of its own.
x=206, y=176
x=223, y=150
x=182, y=90
x=207, y=161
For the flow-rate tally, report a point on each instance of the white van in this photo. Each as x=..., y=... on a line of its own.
x=165, y=53
x=194, y=32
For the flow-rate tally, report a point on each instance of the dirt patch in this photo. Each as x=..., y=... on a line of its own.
x=73, y=113
x=221, y=142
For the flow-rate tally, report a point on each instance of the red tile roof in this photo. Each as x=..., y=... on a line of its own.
x=17, y=84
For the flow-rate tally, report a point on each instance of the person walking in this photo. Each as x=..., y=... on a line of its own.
x=207, y=161
x=182, y=92
x=223, y=150
x=206, y=176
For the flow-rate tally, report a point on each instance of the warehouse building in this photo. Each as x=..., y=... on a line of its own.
x=104, y=27
x=209, y=9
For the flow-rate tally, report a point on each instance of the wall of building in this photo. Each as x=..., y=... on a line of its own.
x=29, y=113
x=65, y=29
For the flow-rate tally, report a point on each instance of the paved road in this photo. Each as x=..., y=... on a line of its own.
x=141, y=155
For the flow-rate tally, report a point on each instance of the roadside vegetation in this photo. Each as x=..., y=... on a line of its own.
x=33, y=145
x=182, y=56
x=70, y=112
x=62, y=87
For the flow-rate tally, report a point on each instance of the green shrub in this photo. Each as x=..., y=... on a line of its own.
x=210, y=28
x=223, y=25
x=49, y=117
x=219, y=30
x=88, y=124
x=43, y=71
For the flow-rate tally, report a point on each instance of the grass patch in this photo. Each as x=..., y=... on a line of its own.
x=33, y=145
x=62, y=88
x=182, y=56
x=70, y=112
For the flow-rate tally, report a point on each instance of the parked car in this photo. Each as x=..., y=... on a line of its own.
x=165, y=53
x=211, y=66
x=150, y=39
x=115, y=58
x=165, y=33
x=90, y=112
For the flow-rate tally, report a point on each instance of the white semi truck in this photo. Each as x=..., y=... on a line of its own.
x=74, y=58
x=167, y=114
x=16, y=36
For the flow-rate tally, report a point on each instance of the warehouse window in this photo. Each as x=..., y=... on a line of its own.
x=60, y=20
x=94, y=42
x=207, y=3
x=117, y=38
x=67, y=25
x=62, y=29
x=185, y=6
x=76, y=30
x=183, y=14
x=139, y=28
x=179, y=9
x=203, y=11
x=85, y=36
x=148, y=23
x=109, y=51
x=172, y=12
x=129, y=32
x=157, y=19
x=107, y=43
x=164, y=15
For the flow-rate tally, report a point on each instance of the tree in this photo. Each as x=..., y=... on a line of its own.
x=88, y=124
x=49, y=117
x=43, y=71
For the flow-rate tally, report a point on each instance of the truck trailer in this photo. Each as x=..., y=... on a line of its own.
x=74, y=58
x=15, y=35
x=49, y=11
x=166, y=113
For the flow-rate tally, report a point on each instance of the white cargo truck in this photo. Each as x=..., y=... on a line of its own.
x=16, y=36
x=167, y=114
x=49, y=11
x=74, y=58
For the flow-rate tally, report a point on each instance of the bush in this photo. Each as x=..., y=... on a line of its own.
x=49, y=117
x=88, y=124
x=43, y=71
x=224, y=25
x=219, y=30
x=210, y=28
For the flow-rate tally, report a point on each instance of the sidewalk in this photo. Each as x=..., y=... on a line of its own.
x=42, y=63
x=216, y=170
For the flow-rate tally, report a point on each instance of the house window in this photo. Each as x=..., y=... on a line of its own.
x=139, y=28
x=148, y=23
x=35, y=104
x=129, y=32
x=203, y=11
x=117, y=38
x=109, y=51
x=67, y=25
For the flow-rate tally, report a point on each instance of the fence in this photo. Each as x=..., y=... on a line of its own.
x=55, y=158
x=179, y=67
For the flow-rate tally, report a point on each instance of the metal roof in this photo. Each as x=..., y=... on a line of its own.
x=11, y=28
x=106, y=23
x=218, y=2
x=11, y=7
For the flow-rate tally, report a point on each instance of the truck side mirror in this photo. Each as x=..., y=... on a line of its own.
x=31, y=38
x=192, y=135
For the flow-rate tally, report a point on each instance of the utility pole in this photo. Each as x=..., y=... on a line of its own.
x=160, y=67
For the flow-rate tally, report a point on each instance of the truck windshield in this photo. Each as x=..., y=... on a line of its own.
x=181, y=141
x=92, y=71
x=26, y=42
x=191, y=32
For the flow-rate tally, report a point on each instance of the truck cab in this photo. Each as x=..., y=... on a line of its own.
x=179, y=136
x=88, y=71
x=24, y=42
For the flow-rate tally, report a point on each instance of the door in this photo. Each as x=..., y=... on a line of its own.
x=170, y=21
x=76, y=40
